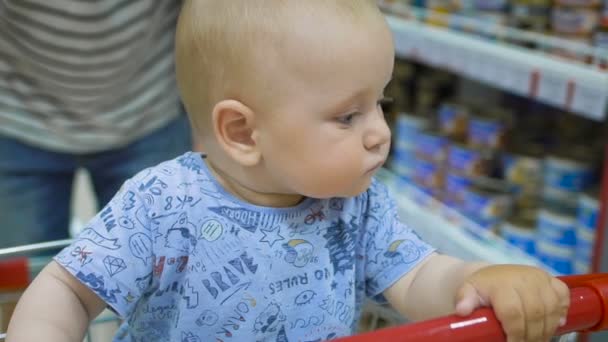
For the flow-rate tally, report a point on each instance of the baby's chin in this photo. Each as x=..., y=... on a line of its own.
x=355, y=189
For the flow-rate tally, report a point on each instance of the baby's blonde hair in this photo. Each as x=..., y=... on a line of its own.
x=221, y=43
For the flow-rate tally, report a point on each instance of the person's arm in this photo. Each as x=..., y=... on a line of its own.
x=55, y=307
x=528, y=302
x=430, y=289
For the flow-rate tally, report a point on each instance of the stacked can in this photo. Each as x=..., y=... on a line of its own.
x=567, y=174
x=575, y=20
x=406, y=134
x=470, y=186
x=522, y=165
x=586, y=224
x=531, y=15
x=600, y=37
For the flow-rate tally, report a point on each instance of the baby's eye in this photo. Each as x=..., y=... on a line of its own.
x=347, y=119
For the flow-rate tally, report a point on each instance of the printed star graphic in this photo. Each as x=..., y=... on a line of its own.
x=334, y=285
x=272, y=236
x=373, y=253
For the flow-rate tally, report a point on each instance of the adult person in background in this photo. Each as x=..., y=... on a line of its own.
x=86, y=84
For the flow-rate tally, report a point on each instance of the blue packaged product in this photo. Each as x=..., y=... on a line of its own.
x=556, y=228
x=431, y=146
x=469, y=161
x=453, y=120
x=568, y=174
x=427, y=174
x=521, y=233
x=559, y=258
x=588, y=210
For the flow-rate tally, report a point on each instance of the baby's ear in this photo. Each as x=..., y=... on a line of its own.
x=233, y=126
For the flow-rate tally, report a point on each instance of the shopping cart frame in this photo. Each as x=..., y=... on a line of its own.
x=588, y=309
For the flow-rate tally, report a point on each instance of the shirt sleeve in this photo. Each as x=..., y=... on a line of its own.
x=392, y=248
x=113, y=254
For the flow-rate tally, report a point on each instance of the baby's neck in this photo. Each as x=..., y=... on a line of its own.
x=252, y=196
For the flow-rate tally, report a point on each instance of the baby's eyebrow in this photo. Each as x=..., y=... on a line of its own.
x=343, y=104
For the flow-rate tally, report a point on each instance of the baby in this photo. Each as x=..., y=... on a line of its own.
x=278, y=232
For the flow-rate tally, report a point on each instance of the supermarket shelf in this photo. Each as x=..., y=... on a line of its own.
x=569, y=85
x=429, y=218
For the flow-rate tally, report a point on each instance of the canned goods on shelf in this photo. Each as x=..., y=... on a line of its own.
x=578, y=3
x=455, y=187
x=431, y=146
x=407, y=128
x=560, y=200
x=588, y=210
x=427, y=174
x=556, y=228
x=487, y=132
x=490, y=5
x=559, y=258
x=524, y=169
x=454, y=121
x=469, y=161
x=520, y=232
x=581, y=267
x=568, y=20
x=569, y=170
x=488, y=199
x=585, y=243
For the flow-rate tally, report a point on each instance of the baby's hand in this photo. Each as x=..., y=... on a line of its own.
x=529, y=303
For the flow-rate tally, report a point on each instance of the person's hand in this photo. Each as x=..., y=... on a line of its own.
x=529, y=303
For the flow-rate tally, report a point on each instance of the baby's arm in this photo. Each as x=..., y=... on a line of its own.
x=55, y=307
x=429, y=290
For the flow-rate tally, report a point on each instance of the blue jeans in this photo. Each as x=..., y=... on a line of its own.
x=36, y=184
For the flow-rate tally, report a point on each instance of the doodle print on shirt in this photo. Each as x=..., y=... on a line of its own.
x=235, y=319
x=208, y=318
x=269, y=319
x=97, y=284
x=99, y=240
x=107, y=216
x=211, y=230
x=180, y=237
x=191, y=162
x=141, y=247
x=305, y=297
x=126, y=223
x=190, y=337
x=114, y=265
x=82, y=254
x=128, y=201
x=298, y=252
x=282, y=336
x=272, y=235
x=402, y=251
x=226, y=280
x=341, y=245
x=312, y=321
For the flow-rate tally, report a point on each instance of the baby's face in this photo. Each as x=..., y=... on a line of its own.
x=327, y=135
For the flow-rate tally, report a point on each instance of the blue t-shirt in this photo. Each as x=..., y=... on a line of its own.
x=181, y=259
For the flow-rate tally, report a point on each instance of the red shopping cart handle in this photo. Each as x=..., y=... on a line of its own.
x=14, y=274
x=588, y=307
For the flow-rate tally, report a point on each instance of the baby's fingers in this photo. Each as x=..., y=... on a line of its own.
x=553, y=310
x=563, y=293
x=509, y=310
